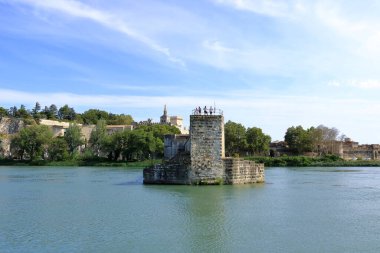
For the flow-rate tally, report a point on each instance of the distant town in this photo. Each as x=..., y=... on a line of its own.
x=52, y=133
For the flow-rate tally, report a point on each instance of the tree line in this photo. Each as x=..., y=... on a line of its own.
x=36, y=142
x=241, y=141
x=320, y=140
x=146, y=141
x=65, y=113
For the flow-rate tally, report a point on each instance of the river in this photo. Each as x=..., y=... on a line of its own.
x=57, y=209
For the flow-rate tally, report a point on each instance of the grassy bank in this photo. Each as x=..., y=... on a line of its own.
x=304, y=161
x=95, y=163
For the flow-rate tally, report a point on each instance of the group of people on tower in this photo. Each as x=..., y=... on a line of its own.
x=206, y=111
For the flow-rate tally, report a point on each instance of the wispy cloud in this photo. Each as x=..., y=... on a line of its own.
x=109, y=20
x=368, y=84
x=266, y=7
x=273, y=113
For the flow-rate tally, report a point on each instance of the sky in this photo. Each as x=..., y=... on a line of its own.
x=267, y=64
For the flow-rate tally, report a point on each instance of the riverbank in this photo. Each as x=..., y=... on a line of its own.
x=284, y=161
x=80, y=163
x=305, y=161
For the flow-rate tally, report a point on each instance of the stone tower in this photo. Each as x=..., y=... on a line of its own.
x=165, y=119
x=207, y=149
x=205, y=163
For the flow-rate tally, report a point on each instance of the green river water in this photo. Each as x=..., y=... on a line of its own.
x=57, y=209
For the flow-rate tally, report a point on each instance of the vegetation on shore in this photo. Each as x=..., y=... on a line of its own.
x=80, y=163
x=305, y=161
x=35, y=144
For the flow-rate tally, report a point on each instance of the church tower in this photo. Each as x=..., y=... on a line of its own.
x=165, y=119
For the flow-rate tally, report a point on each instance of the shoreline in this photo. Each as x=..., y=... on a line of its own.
x=79, y=163
x=305, y=161
x=289, y=161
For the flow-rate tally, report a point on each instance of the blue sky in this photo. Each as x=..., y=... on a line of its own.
x=269, y=64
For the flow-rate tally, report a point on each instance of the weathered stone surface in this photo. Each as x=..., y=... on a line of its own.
x=205, y=164
x=10, y=125
x=167, y=174
x=240, y=171
x=207, y=148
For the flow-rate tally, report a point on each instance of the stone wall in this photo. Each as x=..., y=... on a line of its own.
x=167, y=174
x=8, y=127
x=174, y=143
x=365, y=152
x=207, y=148
x=240, y=171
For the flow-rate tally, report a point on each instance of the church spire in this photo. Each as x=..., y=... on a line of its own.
x=165, y=119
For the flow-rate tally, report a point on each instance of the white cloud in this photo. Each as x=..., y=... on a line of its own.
x=367, y=84
x=272, y=113
x=266, y=7
x=109, y=20
x=217, y=46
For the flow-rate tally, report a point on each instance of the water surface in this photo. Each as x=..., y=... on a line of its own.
x=55, y=209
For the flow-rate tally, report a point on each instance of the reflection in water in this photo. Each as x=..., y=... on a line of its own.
x=203, y=222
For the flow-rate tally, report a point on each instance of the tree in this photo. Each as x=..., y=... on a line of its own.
x=32, y=141
x=328, y=139
x=235, y=138
x=298, y=139
x=3, y=112
x=321, y=139
x=118, y=142
x=22, y=112
x=13, y=111
x=36, y=110
x=73, y=138
x=257, y=141
x=159, y=131
x=67, y=113
x=93, y=115
x=50, y=112
x=121, y=119
x=53, y=111
x=58, y=149
x=98, y=138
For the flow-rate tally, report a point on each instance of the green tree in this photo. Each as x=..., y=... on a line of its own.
x=300, y=140
x=73, y=138
x=13, y=111
x=32, y=141
x=36, y=111
x=53, y=111
x=294, y=138
x=3, y=112
x=93, y=115
x=22, y=112
x=66, y=113
x=99, y=138
x=235, y=138
x=121, y=119
x=117, y=144
x=158, y=130
x=257, y=141
x=136, y=145
x=58, y=149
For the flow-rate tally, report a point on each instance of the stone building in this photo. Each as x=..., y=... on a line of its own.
x=199, y=158
x=351, y=150
x=346, y=149
x=176, y=121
